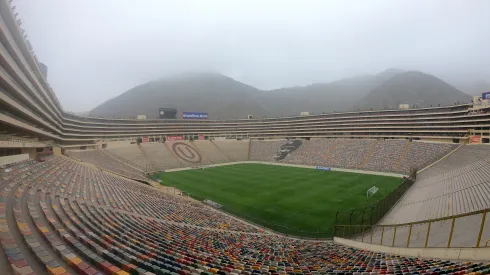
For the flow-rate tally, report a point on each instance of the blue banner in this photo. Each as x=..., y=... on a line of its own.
x=194, y=115
x=323, y=168
x=485, y=95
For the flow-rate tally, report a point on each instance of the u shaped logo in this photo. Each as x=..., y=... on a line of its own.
x=186, y=152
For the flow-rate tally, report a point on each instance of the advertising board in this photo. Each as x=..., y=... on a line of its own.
x=323, y=168
x=485, y=95
x=167, y=113
x=194, y=115
x=171, y=138
x=475, y=139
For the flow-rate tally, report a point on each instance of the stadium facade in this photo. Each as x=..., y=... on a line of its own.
x=32, y=114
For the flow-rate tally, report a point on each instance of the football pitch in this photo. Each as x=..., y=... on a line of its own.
x=292, y=200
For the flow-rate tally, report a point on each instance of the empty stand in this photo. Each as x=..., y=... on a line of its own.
x=104, y=161
x=164, y=156
x=422, y=154
x=456, y=185
x=62, y=217
x=391, y=155
x=234, y=150
x=210, y=153
x=387, y=153
x=131, y=153
x=265, y=150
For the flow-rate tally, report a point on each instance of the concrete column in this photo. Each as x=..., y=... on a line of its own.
x=57, y=151
x=31, y=151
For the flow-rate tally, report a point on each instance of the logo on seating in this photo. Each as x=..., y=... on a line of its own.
x=186, y=152
x=287, y=149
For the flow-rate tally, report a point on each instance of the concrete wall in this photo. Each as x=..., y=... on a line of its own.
x=57, y=151
x=30, y=151
x=13, y=159
x=438, y=140
x=473, y=254
x=116, y=144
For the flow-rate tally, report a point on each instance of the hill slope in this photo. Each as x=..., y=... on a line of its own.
x=223, y=97
x=414, y=88
x=338, y=95
x=205, y=92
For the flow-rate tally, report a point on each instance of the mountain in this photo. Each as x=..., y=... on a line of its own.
x=339, y=95
x=413, y=88
x=223, y=97
x=203, y=92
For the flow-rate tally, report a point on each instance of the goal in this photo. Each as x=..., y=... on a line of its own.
x=371, y=191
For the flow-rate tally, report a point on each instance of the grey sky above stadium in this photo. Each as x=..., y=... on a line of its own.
x=97, y=49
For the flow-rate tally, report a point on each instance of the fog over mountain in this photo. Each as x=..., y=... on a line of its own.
x=473, y=88
x=95, y=50
x=224, y=97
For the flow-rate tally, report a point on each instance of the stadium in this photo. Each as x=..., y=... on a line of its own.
x=403, y=191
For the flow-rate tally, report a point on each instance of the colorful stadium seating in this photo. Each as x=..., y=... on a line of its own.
x=390, y=155
x=62, y=217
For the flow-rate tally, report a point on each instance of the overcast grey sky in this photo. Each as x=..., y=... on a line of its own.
x=97, y=49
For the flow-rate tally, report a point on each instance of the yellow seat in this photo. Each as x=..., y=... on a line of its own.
x=74, y=261
x=56, y=271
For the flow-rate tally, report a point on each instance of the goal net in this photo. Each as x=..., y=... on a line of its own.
x=371, y=191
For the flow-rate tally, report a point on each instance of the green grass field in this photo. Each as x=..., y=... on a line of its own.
x=301, y=200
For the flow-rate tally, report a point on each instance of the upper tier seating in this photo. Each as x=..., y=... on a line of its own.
x=61, y=217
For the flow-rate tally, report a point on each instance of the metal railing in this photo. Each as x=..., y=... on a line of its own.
x=374, y=213
x=458, y=231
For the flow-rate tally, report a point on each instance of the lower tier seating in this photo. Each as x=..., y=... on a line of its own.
x=383, y=155
x=62, y=217
x=102, y=160
x=458, y=184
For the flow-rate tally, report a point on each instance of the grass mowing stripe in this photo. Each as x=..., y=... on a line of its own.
x=300, y=199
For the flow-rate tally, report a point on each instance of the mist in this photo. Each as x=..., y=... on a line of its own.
x=98, y=49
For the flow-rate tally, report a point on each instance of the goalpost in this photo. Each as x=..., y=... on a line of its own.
x=371, y=191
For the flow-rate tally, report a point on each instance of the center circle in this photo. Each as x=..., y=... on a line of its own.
x=186, y=153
